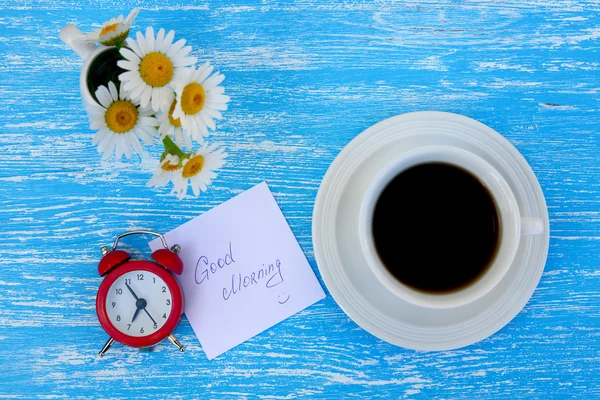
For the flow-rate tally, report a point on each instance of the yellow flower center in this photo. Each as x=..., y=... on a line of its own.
x=193, y=166
x=156, y=69
x=109, y=28
x=121, y=116
x=169, y=167
x=192, y=98
x=173, y=121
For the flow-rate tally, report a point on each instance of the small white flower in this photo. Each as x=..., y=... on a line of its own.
x=200, y=100
x=120, y=122
x=198, y=170
x=113, y=31
x=151, y=63
x=170, y=126
x=167, y=170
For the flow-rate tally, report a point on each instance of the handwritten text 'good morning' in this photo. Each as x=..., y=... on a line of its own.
x=269, y=274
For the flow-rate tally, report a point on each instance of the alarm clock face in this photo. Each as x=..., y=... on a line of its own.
x=139, y=303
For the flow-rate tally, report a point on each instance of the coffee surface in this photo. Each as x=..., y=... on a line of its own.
x=436, y=227
x=104, y=69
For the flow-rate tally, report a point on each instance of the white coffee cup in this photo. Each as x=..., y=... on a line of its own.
x=88, y=52
x=512, y=225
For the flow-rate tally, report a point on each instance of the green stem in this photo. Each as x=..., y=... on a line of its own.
x=172, y=148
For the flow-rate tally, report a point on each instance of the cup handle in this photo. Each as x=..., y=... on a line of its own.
x=531, y=226
x=72, y=36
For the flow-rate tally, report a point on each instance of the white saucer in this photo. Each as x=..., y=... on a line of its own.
x=344, y=269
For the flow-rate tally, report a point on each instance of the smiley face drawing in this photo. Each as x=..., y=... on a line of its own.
x=282, y=299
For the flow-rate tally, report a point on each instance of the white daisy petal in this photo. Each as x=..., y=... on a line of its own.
x=156, y=99
x=143, y=136
x=212, y=113
x=177, y=113
x=203, y=72
x=136, y=88
x=119, y=146
x=142, y=43
x=217, y=90
x=196, y=190
x=136, y=145
x=97, y=125
x=128, y=76
x=187, y=61
x=135, y=47
x=133, y=83
x=188, y=140
x=146, y=93
x=181, y=59
x=150, y=38
x=129, y=55
x=99, y=136
x=213, y=81
x=183, y=52
x=127, y=146
x=149, y=121
x=167, y=41
x=207, y=121
x=103, y=96
x=167, y=96
x=131, y=16
x=178, y=45
x=220, y=99
x=146, y=135
x=104, y=144
x=160, y=36
x=129, y=67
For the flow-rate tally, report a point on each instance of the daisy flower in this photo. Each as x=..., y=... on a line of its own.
x=113, y=31
x=200, y=100
x=170, y=126
x=198, y=170
x=120, y=122
x=166, y=171
x=151, y=63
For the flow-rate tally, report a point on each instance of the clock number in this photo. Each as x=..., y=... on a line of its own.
x=165, y=315
x=155, y=326
x=153, y=280
x=142, y=330
x=119, y=291
x=168, y=302
x=118, y=317
x=128, y=281
x=114, y=304
x=164, y=288
x=128, y=326
x=140, y=277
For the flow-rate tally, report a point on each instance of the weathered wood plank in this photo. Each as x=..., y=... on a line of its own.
x=305, y=78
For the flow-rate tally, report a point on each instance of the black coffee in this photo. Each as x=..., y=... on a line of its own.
x=436, y=228
x=104, y=69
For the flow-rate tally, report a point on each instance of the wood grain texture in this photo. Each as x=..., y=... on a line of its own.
x=305, y=78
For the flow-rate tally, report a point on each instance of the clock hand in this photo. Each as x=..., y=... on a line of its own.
x=131, y=290
x=135, y=314
x=150, y=316
x=140, y=305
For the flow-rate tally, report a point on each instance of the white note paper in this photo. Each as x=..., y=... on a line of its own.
x=243, y=270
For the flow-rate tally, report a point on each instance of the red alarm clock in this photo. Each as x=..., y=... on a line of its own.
x=139, y=302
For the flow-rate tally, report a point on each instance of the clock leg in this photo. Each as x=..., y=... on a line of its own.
x=174, y=340
x=107, y=345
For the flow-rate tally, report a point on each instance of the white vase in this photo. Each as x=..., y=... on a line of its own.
x=88, y=52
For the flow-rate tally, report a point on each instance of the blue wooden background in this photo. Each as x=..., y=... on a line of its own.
x=305, y=78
